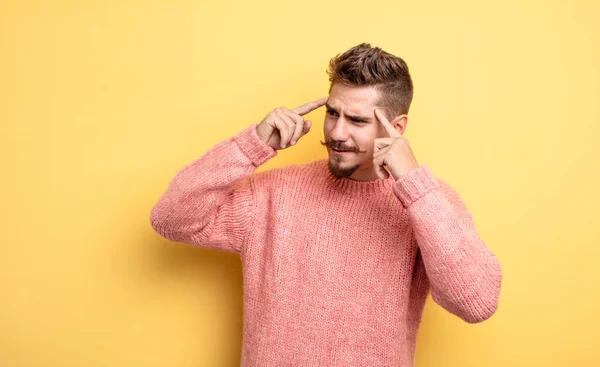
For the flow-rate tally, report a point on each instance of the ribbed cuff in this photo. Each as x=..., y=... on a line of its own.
x=253, y=146
x=414, y=185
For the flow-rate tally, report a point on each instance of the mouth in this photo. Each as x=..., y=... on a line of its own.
x=337, y=151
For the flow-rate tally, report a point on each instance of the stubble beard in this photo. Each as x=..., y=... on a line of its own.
x=334, y=165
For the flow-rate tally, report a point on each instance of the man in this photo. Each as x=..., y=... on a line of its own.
x=338, y=254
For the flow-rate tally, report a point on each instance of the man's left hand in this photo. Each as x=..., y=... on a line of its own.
x=393, y=153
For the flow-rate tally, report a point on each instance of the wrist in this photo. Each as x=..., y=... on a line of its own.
x=262, y=136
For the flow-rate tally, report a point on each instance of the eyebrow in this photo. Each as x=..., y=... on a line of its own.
x=349, y=116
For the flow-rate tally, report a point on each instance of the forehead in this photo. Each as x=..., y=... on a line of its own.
x=357, y=100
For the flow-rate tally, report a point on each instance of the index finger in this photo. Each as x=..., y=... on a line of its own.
x=386, y=124
x=310, y=106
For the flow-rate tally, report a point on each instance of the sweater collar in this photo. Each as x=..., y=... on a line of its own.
x=357, y=188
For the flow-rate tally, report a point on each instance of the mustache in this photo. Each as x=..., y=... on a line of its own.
x=338, y=145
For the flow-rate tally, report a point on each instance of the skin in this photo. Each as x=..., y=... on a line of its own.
x=373, y=146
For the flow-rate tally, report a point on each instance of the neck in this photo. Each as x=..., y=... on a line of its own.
x=364, y=174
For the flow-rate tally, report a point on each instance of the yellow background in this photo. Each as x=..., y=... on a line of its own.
x=101, y=103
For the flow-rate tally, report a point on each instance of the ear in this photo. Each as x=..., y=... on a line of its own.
x=400, y=123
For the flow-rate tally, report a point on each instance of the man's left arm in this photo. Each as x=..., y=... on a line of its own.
x=465, y=275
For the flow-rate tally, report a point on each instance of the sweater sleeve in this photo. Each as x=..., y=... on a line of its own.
x=465, y=276
x=209, y=202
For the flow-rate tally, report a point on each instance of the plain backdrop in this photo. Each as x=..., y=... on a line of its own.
x=102, y=102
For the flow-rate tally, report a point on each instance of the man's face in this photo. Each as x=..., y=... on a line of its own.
x=350, y=128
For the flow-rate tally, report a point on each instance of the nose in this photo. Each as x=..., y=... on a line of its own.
x=340, y=130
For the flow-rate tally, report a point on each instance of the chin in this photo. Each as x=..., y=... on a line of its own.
x=339, y=168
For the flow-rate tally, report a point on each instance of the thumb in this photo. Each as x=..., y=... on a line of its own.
x=306, y=127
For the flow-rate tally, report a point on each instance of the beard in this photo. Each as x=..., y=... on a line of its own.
x=334, y=163
x=338, y=171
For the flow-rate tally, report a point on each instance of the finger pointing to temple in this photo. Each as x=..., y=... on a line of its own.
x=311, y=106
x=386, y=124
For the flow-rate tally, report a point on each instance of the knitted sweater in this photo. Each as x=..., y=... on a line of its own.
x=336, y=271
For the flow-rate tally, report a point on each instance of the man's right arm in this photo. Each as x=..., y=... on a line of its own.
x=209, y=201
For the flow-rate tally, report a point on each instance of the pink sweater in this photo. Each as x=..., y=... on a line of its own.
x=336, y=272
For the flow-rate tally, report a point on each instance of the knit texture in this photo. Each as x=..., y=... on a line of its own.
x=336, y=271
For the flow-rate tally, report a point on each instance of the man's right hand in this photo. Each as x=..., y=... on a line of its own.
x=283, y=127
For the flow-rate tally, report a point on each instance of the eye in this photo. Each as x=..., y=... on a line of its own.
x=332, y=112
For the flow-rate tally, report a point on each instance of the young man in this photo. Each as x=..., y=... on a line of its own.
x=338, y=254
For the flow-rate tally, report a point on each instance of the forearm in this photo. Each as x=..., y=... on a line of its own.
x=465, y=275
x=197, y=191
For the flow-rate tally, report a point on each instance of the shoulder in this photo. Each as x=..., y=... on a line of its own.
x=451, y=195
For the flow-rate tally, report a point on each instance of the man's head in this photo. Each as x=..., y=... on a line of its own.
x=362, y=79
